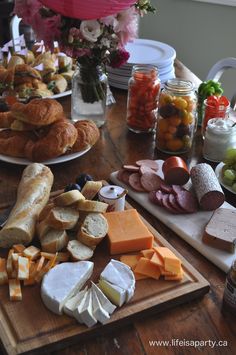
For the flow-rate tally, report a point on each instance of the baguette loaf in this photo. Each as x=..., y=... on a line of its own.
x=32, y=195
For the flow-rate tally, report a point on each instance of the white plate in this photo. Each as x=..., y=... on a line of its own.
x=61, y=159
x=62, y=94
x=218, y=171
x=149, y=52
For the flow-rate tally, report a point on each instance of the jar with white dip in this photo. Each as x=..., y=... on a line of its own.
x=220, y=135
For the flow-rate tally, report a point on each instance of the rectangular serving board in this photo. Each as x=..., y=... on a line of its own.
x=28, y=326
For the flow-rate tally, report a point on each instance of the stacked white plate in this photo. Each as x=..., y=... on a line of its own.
x=144, y=51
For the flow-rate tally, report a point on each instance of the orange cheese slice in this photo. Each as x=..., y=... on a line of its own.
x=130, y=260
x=127, y=232
x=177, y=277
x=15, y=290
x=140, y=276
x=171, y=262
x=147, y=253
x=157, y=260
x=31, y=252
x=18, y=248
x=145, y=267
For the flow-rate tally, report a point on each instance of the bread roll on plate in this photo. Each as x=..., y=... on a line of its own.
x=32, y=195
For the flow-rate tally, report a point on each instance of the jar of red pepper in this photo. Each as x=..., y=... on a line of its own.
x=143, y=94
x=214, y=107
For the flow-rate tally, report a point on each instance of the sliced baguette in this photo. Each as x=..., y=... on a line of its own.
x=93, y=229
x=92, y=206
x=79, y=251
x=90, y=189
x=68, y=198
x=54, y=240
x=42, y=228
x=63, y=217
x=45, y=211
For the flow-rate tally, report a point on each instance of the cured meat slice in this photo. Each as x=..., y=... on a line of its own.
x=152, y=197
x=125, y=176
x=167, y=189
x=119, y=175
x=132, y=168
x=134, y=182
x=167, y=205
x=177, y=188
x=159, y=197
x=148, y=162
x=174, y=204
x=187, y=201
x=150, y=181
x=208, y=190
x=145, y=169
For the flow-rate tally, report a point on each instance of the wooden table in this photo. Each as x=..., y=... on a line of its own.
x=198, y=320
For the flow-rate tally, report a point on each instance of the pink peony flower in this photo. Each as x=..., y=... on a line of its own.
x=127, y=26
x=26, y=9
x=119, y=58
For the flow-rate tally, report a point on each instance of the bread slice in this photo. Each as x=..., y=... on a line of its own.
x=63, y=217
x=54, y=240
x=45, y=211
x=93, y=229
x=42, y=228
x=79, y=251
x=92, y=206
x=220, y=230
x=68, y=198
x=91, y=188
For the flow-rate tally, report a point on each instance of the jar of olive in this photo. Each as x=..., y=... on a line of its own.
x=176, y=122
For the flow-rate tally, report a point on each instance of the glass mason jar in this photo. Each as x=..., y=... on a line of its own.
x=143, y=95
x=89, y=92
x=176, y=123
x=213, y=111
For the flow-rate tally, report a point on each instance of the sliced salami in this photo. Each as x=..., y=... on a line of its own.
x=145, y=169
x=167, y=189
x=187, y=201
x=208, y=190
x=125, y=176
x=134, y=182
x=174, y=204
x=159, y=197
x=177, y=188
x=148, y=162
x=152, y=197
x=131, y=168
x=150, y=181
x=167, y=205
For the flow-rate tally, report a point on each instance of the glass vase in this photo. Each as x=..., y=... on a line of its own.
x=89, y=93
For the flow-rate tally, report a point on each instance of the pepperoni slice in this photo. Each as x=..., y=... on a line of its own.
x=159, y=198
x=145, y=169
x=187, y=201
x=150, y=181
x=174, y=204
x=148, y=162
x=134, y=182
x=167, y=205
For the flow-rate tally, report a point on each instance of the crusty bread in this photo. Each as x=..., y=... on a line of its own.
x=22, y=126
x=93, y=229
x=13, y=143
x=220, y=230
x=6, y=119
x=79, y=251
x=88, y=134
x=39, y=112
x=45, y=211
x=32, y=195
x=54, y=240
x=68, y=198
x=90, y=189
x=42, y=228
x=92, y=206
x=63, y=217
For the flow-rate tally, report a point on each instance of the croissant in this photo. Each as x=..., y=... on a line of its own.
x=88, y=134
x=38, y=112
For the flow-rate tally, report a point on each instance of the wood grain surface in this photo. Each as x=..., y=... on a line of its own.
x=200, y=319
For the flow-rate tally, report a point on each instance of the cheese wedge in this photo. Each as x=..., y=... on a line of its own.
x=62, y=281
x=86, y=313
x=98, y=311
x=121, y=275
x=116, y=294
x=73, y=302
x=104, y=301
x=127, y=232
x=77, y=311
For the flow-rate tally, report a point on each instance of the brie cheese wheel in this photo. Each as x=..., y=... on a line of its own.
x=98, y=311
x=73, y=302
x=62, y=282
x=119, y=274
x=104, y=301
x=86, y=312
x=116, y=294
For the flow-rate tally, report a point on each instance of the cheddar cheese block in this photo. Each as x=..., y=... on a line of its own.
x=127, y=232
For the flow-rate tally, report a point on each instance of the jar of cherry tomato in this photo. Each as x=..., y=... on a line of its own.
x=176, y=122
x=143, y=95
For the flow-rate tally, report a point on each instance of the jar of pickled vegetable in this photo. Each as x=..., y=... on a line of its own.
x=176, y=123
x=143, y=95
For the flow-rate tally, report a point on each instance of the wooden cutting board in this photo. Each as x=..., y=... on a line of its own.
x=29, y=326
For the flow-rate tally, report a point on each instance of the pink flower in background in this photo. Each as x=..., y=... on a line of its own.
x=75, y=33
x=26, y=9
x=119, y=58
x=127, y=26
x=47, y=28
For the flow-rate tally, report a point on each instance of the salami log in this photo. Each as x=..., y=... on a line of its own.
x=32, y=195
x=208, y=190
x=175, y=171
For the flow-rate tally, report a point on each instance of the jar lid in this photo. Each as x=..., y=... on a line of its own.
x=179, y=86
x=112, y=192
